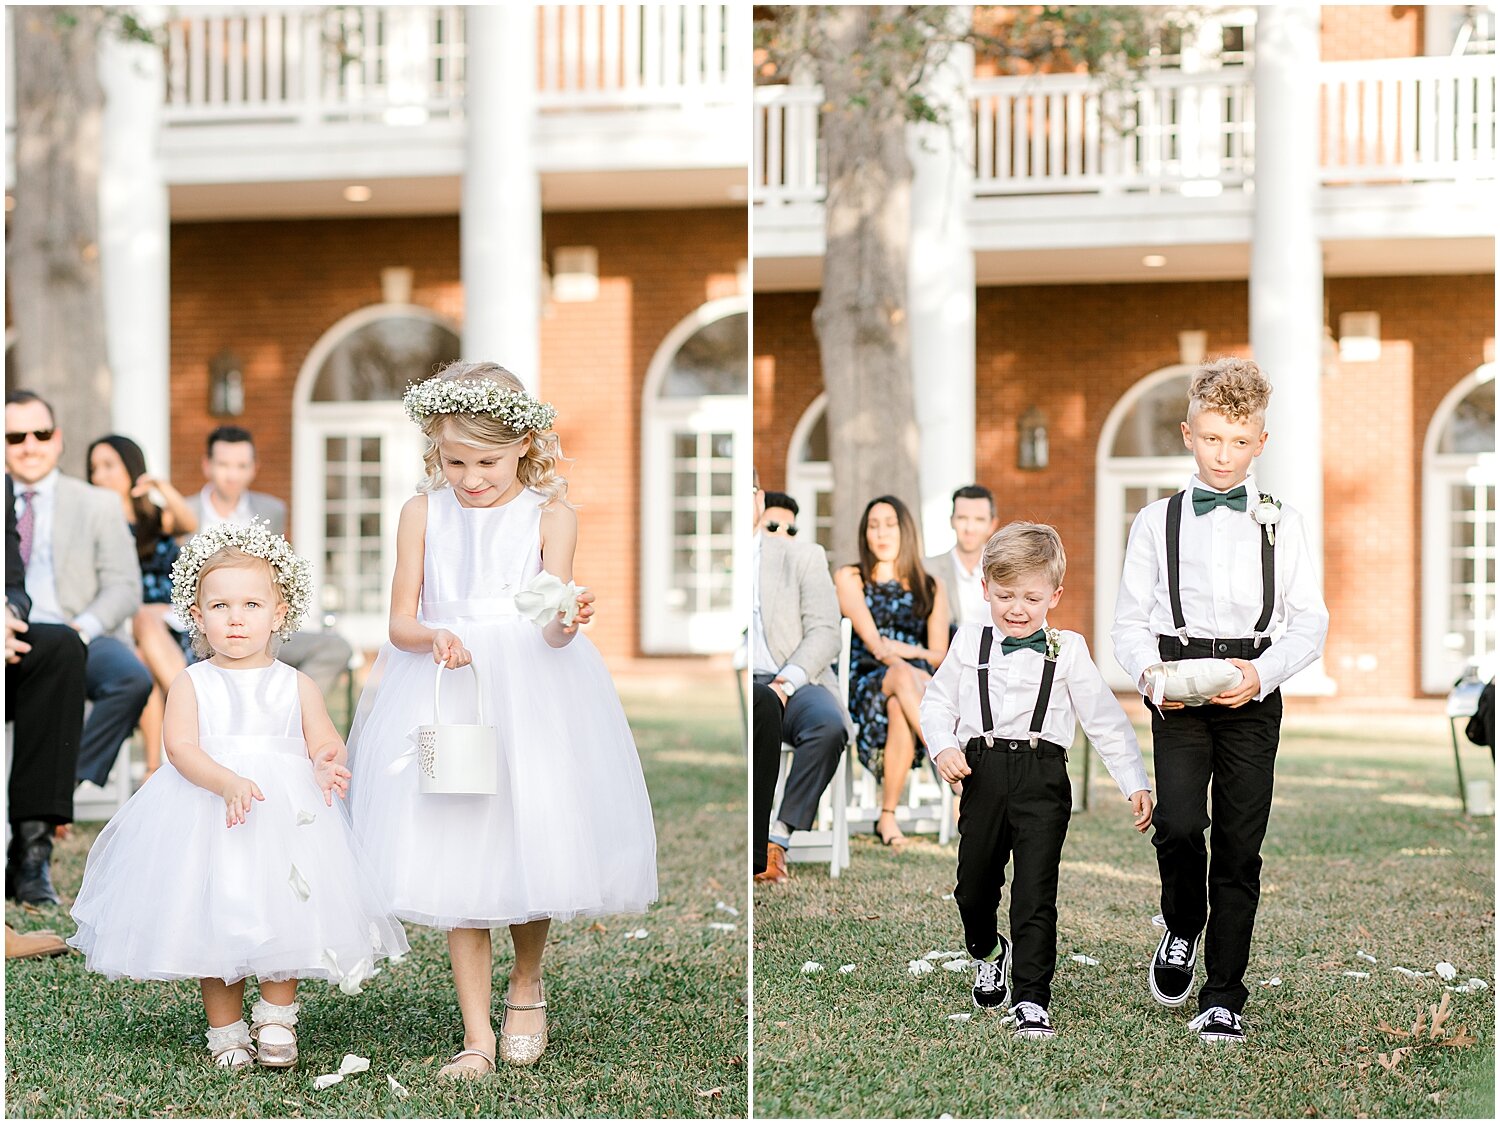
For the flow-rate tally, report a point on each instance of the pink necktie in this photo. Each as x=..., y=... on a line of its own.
x=26, y=526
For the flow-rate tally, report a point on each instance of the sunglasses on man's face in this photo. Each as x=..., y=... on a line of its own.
x=791, y=528
x=16, y=438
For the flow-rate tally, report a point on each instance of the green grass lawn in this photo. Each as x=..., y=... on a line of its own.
x=1366, y=851
x=640, y=1028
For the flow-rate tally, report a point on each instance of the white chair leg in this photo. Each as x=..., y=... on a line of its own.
x=945, y=828
x=840, y=846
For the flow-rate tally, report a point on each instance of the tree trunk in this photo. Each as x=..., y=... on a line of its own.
x=861, y=314
x=52, y=258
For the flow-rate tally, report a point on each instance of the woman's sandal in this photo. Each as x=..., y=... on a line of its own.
x=524, y=1049
x=456, y=1069
x=274, y=1055
x=899, y=837
x=230, y=1045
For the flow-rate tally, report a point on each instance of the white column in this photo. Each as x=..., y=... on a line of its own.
x=1286, y=271
x=501, y=221
x=134, y=231
x=940, y=298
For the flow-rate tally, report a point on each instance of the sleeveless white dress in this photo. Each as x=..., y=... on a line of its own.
x=569, y=831
x=169, y=892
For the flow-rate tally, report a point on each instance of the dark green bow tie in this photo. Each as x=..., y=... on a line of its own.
x=1205, y=501
x=1037, y=642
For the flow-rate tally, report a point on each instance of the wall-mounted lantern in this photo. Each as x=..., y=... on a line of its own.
x=1031, y=443
x=226, y=385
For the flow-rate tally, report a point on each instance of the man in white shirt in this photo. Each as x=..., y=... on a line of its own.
x=1214, y=572
x=973, y=522
x=81, y=571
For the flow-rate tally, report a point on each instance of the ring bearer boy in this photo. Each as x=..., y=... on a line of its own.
x=999, y=716
x=1213, y=572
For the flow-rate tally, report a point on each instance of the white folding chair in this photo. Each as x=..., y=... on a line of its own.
x=830, y=844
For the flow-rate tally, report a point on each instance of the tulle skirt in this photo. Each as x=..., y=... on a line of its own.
x=169, y=892
x=569, y=831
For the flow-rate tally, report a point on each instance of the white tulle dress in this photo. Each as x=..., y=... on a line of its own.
x=569, y=831
x=169, y=892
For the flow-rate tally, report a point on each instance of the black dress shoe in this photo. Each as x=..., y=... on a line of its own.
x=33, y=875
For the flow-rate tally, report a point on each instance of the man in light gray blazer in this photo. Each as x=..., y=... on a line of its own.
x=794, y=642
x=957, y=571
x=81, y=571
x=229, y=465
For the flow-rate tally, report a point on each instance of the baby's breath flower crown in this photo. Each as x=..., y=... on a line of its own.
x=292, y=572
x=515, y=408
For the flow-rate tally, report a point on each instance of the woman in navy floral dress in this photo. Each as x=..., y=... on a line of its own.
x=900, y=618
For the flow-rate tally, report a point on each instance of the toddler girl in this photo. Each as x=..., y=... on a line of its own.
x=231, y=860
x=569, y=831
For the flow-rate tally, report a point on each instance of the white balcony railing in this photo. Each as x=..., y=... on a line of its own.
x=405, y=65
x=1394, y=120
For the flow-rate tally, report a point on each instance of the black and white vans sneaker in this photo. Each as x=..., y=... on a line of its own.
x=991, y=986
x=1171, y=973
x=1032, y=1021
x=1218, y=1024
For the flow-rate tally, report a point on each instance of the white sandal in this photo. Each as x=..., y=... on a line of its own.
x=273, y=1054
x=230, y=1045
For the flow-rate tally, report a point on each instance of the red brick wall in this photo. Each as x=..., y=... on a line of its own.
x=1371, y=31
x=1073, y=350
x=268, y=290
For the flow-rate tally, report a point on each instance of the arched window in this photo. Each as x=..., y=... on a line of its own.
x=356, y=458
x=1459, y=474
x=695, y=472
x=1141, y=458
x=809, y=473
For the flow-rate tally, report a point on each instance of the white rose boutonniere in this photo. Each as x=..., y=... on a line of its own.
x=1054, y=643
x=1268, y=513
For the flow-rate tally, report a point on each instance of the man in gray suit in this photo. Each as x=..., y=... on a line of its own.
x=794, y=641
x=973, y=522
x=81, y=571
x=229, y=466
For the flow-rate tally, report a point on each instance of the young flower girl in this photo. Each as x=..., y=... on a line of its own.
x=485, y=557
x=231, y=860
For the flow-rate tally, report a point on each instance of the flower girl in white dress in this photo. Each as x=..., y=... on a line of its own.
x=569, y=831
x=231, y=860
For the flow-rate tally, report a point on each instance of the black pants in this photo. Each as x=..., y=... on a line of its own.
x=1014, y=802
x=813, y=725
x=765, y=764
x=44, y=695
x=1231, y=753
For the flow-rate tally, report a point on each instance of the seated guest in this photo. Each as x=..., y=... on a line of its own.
x=780, y=515
x=81, y=571
x=230, y=466
x=973, y=522
x=44, y=695
x=117, y=464
x=900, y=618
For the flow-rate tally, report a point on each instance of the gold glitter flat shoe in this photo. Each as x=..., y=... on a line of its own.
x=524, y=1049
x=459, y=1070
x=274, y=1055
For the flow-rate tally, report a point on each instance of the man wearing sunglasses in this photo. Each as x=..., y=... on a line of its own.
x=780, y=516
x=81, y=571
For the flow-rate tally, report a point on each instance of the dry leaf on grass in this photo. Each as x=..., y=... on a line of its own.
x=1430, y=1029
x=715, y=1092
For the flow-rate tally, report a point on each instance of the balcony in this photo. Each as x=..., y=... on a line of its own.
x=1062, y=162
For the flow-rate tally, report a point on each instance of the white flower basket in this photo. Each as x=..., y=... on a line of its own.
x=456, y=759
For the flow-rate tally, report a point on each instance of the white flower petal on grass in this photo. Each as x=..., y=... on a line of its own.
x=325, y=1080
x=938, y=954
x=725, y=907
x=846, y=968
x=957, y=965
x=357, y=975
x=1462, y=989
x=1409, y=973
x=1358, y=975
x=947, y=897
x=1082, y=959
x=304, y=818
x=1159, y=921
x=1363, y=955
x=353, y=1063
x=1446, y=970
x=1478, y=984
x=810, y=967
x=299, y=884
x=397, y=1088
x=1274, y=981
x=960, y=1018
x=637, y=935
x=722, y=926
x=917, y=967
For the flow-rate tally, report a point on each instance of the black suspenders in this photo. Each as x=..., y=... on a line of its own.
x=1174, y=583
x=1043, y=697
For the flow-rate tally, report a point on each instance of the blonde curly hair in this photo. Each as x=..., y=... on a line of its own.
x=538, y=466
x=1232, y=387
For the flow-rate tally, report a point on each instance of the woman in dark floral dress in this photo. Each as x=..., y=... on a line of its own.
x=117, y=463
x=900, y=618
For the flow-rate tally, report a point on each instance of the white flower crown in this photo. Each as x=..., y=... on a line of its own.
x=293, y=573
x=517, y=409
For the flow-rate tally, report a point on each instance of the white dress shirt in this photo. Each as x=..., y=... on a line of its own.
x=972, y=608
x=1219, y=581
x=761, y=662
x=951, y=713
x=211, y=518
x=41, y=571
